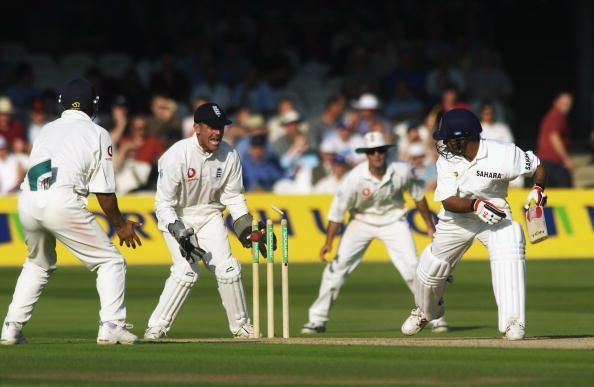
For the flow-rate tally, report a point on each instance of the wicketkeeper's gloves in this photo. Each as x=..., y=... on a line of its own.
x=190, y=251
x=243, y=229
x=487, y=211
x=537, y=196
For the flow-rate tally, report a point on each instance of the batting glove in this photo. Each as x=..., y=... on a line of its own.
x=537, y=196
x=487, y=211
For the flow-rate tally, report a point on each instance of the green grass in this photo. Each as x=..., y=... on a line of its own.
x=62, y=349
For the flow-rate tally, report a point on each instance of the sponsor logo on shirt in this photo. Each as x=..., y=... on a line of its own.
x=366, y=192
x=527, y=162
x=219, y=173
x=191, y=174
x=110, y=151
x=490, y=175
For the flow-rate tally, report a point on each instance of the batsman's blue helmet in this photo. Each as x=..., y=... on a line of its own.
x=458, y=123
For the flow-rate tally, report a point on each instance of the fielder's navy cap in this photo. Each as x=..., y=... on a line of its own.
x=212, y=115
x=458, y=123
x=78, y=94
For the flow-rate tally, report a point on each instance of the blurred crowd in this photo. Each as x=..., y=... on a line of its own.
x=301, y=95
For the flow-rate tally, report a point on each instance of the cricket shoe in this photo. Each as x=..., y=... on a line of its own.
x=414, y=323
x=245, y=332
x=115, y=332
x=313, y=328
x=514, y=330
x=439, y=325
x=12, y=334
x=155, y=333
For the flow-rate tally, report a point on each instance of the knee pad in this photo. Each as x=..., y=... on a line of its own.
x=432, y=271
x=228, y=275
x=228, y=271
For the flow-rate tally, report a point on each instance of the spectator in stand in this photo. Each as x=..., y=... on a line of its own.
x=137, y=156
x=10, y=129
x=212, y=89
x=37, y=118
x=414, y=134
x=493, y=130
x=119, y=118
x=276, y=129
x=368, y=107
x=260, y=173
x=21, y=150
x=327, y=121
x=404, y=105
x=329, y=184
x=254, y=125
x=553, y=141
x=487, y=81
x=168, y=81
x=255, y=93
x=11, y=173
x=293, y=143
x=21, y=92
x=450, y=99
x=164, y=123
x=424, y=168
x=444, y=76
x=410, y=72
x=343, y=141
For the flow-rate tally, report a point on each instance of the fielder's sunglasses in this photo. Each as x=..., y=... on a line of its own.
x=381, y=151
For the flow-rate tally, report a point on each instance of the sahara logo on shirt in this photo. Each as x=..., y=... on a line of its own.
x=490, y=175
x=527, y=162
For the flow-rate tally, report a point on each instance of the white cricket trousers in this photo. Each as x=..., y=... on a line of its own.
x=354, y=242
x=59, y=213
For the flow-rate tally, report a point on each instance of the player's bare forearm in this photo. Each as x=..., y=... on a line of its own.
x=423, y=208
x=331, y=232
x=458, y=205
x=540, y=176
x=109, y=205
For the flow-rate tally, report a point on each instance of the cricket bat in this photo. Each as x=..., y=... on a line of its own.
x=535, y=223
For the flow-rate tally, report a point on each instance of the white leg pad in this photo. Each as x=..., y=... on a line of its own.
x=176, y=291
x=29, y=286
x=429, y=284
x=228, y=275
x=111, y=287
x=506, y=246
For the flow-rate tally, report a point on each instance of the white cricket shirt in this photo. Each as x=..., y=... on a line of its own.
x=195, y=185
x=373, y=201
x=485, y=177
x=80, y=153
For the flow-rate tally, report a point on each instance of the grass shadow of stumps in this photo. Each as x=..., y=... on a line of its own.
x=561, y=337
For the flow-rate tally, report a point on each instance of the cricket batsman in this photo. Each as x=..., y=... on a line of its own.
x=473, y=175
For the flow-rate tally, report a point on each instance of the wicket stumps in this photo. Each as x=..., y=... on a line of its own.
x=270, y=279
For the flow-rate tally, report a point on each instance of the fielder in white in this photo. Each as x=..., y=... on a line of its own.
x=71, y=158
x=373, y=195
x=472, y=181
x=198, y=177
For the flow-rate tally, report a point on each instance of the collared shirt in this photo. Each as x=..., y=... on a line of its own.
x=486, y=177
x=80, y=152
x=195, y=185
x=373, y=201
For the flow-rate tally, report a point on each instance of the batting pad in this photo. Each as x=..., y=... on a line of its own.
x=429, y=284
x=228, y=275
x=176, y=291
x=509, y=286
